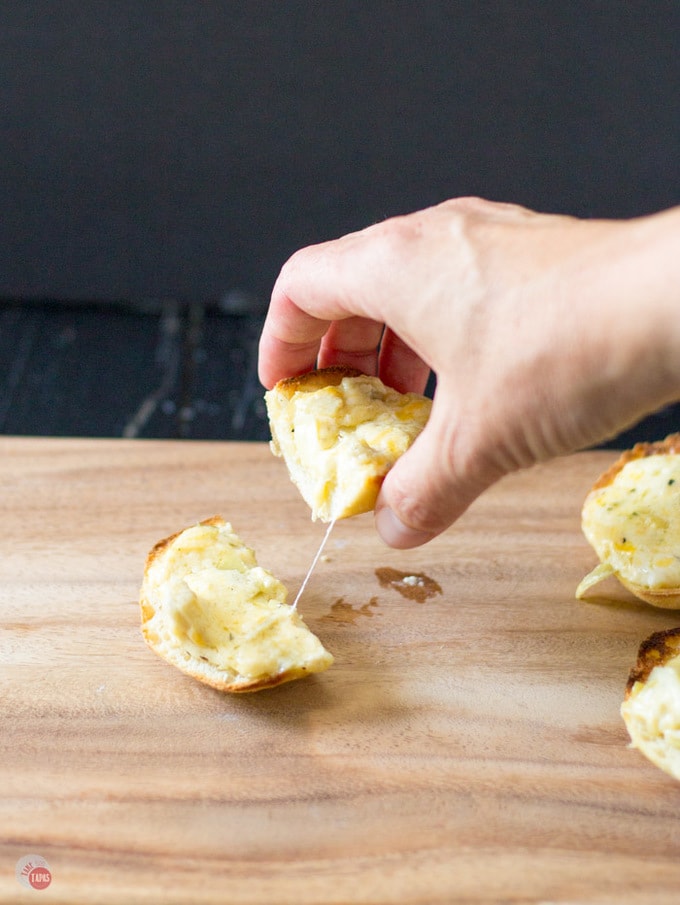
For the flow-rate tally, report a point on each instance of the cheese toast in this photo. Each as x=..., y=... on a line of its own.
x=631, y=518
x=212, y=612
x=339, y=432
x=651, y=707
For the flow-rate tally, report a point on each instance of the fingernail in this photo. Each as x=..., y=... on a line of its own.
x=395, y=533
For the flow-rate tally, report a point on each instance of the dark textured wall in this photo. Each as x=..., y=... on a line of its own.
x=185, y=149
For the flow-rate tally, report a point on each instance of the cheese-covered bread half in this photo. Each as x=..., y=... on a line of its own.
x=651, y=707
x=211, y=611
x=339, y=432
x=631, y=518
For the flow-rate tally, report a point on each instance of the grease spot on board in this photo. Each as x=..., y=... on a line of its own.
x=414, y=585
x=345, y=612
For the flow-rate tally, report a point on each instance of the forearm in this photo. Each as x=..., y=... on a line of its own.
x=627, y=296
x=652, y=276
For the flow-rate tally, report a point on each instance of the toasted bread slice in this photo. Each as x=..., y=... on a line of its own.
x=631, y=517
x=339, y=433
x=651, y=707
x=211, y=611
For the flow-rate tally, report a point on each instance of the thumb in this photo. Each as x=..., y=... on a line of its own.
x=433, y=483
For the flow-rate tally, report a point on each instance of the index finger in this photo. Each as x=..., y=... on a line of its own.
x=290, y=341
x=309, y=281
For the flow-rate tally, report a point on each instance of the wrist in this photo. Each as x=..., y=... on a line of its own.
x=619, y=283
x=652, y=279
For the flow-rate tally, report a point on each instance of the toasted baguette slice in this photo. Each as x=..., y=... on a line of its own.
x=211, y=611
x=651, y=707
x=631, y=518
x=339, y=433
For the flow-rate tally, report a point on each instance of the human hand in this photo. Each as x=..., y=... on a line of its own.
x=546, y=334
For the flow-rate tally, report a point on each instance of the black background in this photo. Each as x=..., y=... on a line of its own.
x=160, y=161
x=185, y=149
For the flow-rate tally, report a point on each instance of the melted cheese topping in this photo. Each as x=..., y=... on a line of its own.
x=634, y=523
x=215, y=603
x=339, y=438
x=652, y=716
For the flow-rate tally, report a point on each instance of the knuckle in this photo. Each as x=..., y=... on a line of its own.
x=418, y=515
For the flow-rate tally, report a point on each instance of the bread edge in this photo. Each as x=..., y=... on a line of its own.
x=315, y=380
x=669, y=446
x=656, y=650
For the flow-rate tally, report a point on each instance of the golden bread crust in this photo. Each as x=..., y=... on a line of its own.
x=656, y=650
x=662, y=598
x=669, y=446
x=315, y=380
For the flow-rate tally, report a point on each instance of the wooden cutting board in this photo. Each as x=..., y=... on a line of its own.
x=467, y=748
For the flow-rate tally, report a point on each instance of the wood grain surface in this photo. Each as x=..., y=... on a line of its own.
x=464, y=748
